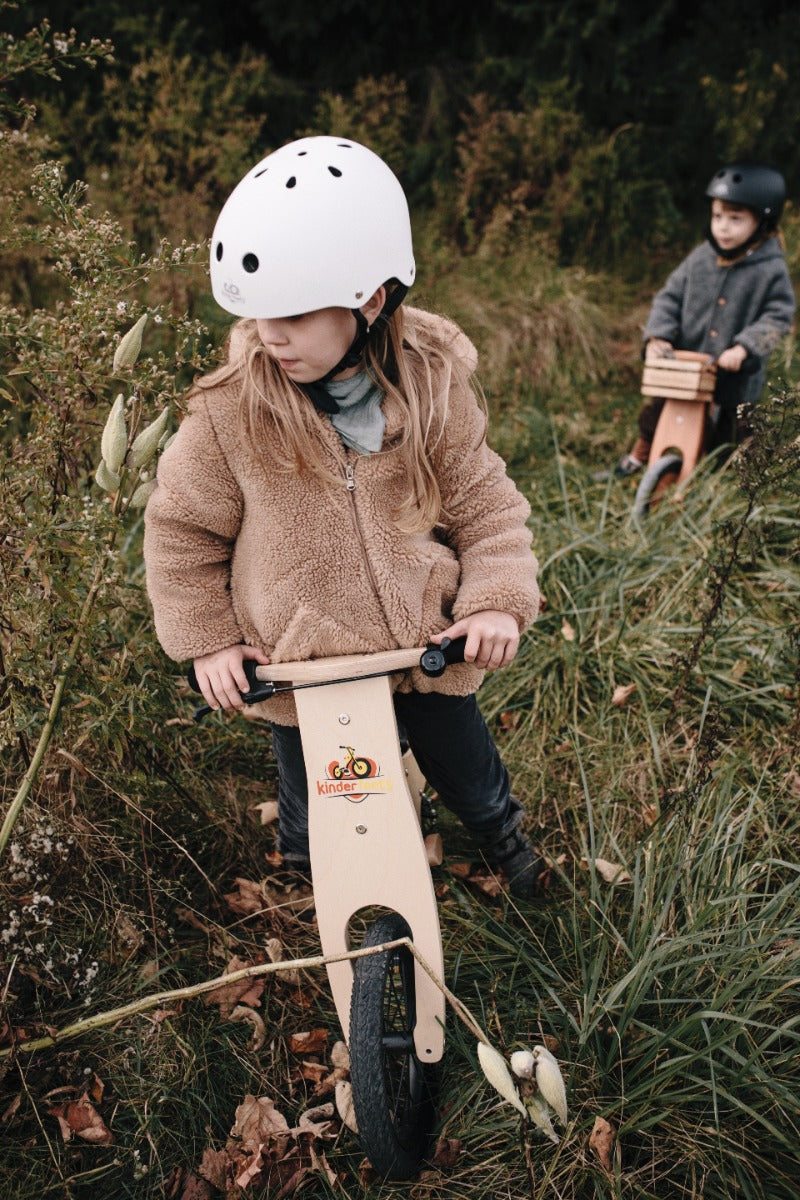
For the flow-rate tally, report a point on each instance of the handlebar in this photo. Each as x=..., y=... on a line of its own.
x=432, y=661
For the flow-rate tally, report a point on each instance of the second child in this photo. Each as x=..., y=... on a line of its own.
x=731, y=298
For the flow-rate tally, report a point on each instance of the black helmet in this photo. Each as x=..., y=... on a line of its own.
x=752, y=185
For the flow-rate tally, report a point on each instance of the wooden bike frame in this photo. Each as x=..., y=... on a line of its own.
x=365, y=839
x=686, y=384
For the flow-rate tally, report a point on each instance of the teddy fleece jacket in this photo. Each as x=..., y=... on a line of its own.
x=708, y=304
x=238, y=551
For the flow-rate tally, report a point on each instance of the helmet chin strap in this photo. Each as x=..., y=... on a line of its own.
x=737, y=251
x=315, y=391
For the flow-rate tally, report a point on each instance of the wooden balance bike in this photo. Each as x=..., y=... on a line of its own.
x=686, y=384
x=367, y=852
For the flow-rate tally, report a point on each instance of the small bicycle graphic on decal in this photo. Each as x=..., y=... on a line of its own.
x=353, y=767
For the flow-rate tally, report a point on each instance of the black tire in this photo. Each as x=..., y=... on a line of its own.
x=392, y=1089
x=655, y=476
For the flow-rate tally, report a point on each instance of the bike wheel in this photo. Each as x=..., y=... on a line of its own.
x=659, y=475
x=392, y=1094
x=361, y=768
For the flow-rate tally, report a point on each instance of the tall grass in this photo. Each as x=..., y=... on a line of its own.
x=672, y=992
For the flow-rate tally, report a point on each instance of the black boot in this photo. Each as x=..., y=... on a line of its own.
x=515, y=855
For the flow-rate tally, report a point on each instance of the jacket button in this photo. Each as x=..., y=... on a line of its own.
x=712, y=333
x=722, y=301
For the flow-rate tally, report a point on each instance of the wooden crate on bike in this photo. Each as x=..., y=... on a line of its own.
x=690, y=375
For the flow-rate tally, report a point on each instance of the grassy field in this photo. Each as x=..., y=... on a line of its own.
x=650, y=722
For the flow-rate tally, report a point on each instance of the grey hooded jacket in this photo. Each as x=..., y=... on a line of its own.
x=708, y=304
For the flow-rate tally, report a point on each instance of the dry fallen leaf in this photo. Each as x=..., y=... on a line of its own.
x=312, y=1041
x=195, y=1188
x=567, y=632
x=601, y=1140
x=340, y=1056
x=611, y=872
x=649, y=814
x=313, y=1072
x=486, y=881
x=622, y=694
x=80, y=1118
x=447, y=1153
x=248, y=898
x=510, y=720
x=274, y=948
x=250, y=1171
x=259, y=1035
x=242, y=991
x=257, y=1121
x=344, y=1104
x=215, y=1167
x=320, y=1164
x=268, y=811
x=317, y=1121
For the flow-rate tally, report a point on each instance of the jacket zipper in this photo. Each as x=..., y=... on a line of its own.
x=350, y=483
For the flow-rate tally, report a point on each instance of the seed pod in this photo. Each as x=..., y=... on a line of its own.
x=114, y=441
x=522, y=1064
x=550, y=1082
x=146, y=444
x=498, y=1074
x=539, y=1113
x=106, y=479
x=142, y=494
x=129, y=346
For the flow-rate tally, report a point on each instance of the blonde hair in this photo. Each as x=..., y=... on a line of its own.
x=409, y=361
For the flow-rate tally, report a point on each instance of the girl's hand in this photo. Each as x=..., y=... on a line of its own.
x=221, y=677
x=657, y=348
x=492, y=638
x=732, y=358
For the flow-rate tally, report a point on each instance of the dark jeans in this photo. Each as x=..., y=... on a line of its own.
x=455, y=752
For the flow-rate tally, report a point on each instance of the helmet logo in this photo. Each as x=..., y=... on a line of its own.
x=232, y=293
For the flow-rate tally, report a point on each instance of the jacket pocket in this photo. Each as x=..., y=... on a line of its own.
x=313, y=634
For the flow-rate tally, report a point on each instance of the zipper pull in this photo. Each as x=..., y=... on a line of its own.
x=349, y=475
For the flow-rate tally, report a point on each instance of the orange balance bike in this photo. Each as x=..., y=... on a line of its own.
x=688, y=426
x=685, y=381
x=367, y=852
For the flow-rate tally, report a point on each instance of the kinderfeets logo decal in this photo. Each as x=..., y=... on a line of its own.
x=353, y=775
x=232, y=293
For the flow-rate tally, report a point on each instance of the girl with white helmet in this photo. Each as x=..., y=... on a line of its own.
x=331, y=490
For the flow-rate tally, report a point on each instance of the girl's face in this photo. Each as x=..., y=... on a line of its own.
x=731, y=225
x=307, y=346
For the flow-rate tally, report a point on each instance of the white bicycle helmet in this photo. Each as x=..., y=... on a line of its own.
x=322, y=222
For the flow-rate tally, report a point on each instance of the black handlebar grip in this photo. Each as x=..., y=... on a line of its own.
x=258, y=689
x=435, y=658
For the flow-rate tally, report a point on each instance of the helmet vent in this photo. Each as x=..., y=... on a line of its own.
x=737, y=177
x=219, y=252
x=345, y=146
x=258, y=174
x=335, y=171
x=291, y=181
x=250, y=263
